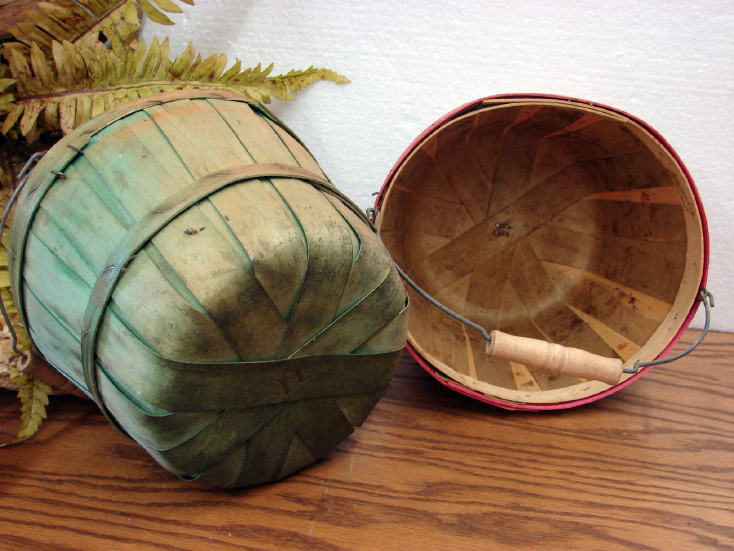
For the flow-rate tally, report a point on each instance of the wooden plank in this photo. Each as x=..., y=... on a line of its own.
x=524, y=378
x=657, y=222
x=424, y=214
x=622, y=346
x=409, y=248
x=528, y=213
x=329, y=245
x=513, y=176
x=602, y=255
x=661, y=449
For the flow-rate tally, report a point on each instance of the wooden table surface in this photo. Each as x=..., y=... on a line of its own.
x=651, y=467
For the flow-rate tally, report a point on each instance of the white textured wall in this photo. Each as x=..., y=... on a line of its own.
x=670, y=63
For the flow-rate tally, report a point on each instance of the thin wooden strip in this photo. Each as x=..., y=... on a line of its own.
x=469, y=354
x=119, y=193
x=156, y=432
x=600, y=255
x=48, y=272
x=624, y=347
x=484, y=298
x=372, y=263
x=67, y=150
x=365, y=318
x=136, y=300
x=546, y=305
x=329, y=247
x=466, y=175
x=419, y=175
x=409, y=248
x=187, y=124
x=206, y=448
x=253, y=132
x=620, y=311
x=657, y=222
x=518, y=317
x=513, y=175
x=235, y=385
x=582, y=141
x=389, y=337
x=524, y=216
x=262, y=224
x=524, y=379
x=138, y=236
x=211, y=268
x=664, y=195
x=300, y=154
x=62, y=347
x=454, y=295
x=422, y=213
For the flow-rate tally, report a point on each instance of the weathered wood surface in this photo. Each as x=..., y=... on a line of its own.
x=197, y=274
x=649, y=468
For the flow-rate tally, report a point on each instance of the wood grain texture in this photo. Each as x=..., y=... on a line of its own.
x=545, y=219
x=649, y=468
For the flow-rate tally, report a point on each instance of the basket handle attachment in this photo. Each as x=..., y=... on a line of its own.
x=556, y=358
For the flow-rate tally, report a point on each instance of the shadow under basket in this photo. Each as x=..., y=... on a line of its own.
x=554, y=219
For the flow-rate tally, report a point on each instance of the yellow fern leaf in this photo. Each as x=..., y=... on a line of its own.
x=293, y=81
x=6, y=83
x=82, y=81
x=86, y=21
x=33, y=395
x=155, y=13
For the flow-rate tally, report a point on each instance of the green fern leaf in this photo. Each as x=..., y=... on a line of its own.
x=81, y=81
x=33, y=394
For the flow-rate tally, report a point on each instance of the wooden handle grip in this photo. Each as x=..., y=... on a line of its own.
x=554, y=358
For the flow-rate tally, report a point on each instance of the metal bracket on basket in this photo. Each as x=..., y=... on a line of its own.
x=708, y=302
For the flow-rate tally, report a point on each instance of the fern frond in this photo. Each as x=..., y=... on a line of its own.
x=284, y=86
x=81, y=81
x=85, y=21
x=33, y=394
x=154, y=9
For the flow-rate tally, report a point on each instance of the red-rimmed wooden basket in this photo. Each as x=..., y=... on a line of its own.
x=551, y=218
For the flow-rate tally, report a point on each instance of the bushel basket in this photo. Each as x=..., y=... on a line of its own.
x=570, y=229
x=184, y=260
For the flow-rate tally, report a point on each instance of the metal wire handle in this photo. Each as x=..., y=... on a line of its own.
x=707, y=298
x=23, y=179
x=708, y=302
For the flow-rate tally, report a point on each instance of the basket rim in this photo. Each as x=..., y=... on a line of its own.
x=478, y=104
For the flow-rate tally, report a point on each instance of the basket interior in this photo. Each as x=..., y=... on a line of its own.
x=547, y=219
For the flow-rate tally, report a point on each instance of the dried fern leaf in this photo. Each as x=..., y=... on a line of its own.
x=293, y=81
x=155, y=9
x=85, y=21
x=33, y=394
x=80, y=81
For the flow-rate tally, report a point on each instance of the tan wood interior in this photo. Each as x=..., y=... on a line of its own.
x=546, y=219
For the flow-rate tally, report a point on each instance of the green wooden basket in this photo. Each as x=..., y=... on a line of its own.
x=186, y=263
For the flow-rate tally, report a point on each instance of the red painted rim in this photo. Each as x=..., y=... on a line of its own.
x=473, y=105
